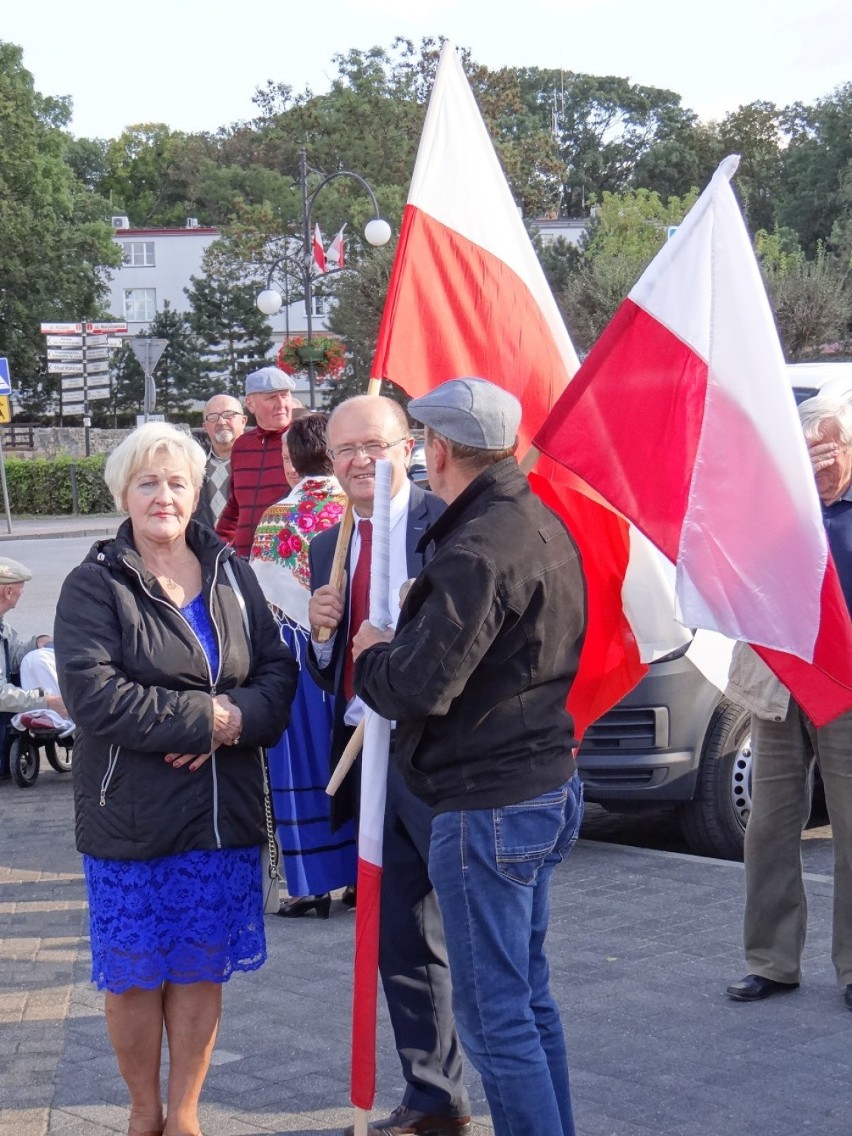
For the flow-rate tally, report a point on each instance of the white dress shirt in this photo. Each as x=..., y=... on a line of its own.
x=398, y=576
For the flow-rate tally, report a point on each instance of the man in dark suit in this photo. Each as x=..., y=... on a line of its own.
x=412, y=951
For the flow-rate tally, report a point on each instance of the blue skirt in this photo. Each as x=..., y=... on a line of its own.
x=314, y=858
x=190, y=917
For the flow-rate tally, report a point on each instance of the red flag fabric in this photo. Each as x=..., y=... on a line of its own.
x=336, y=254
x=318, y=250
x=467, y=296
x=682, y=419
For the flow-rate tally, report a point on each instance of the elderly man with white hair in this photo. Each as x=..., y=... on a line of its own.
x=257, y=468
x=15, y=699
x=223, y=421
x=784, y=745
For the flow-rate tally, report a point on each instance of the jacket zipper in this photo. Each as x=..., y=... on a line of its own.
x=114, y=751
x=213, y=680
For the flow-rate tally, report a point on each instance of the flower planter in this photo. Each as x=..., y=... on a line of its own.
x=311, y=354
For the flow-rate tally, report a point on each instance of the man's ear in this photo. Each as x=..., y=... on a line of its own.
x=442, y=453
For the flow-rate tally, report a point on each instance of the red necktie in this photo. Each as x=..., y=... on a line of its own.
x=359, y=600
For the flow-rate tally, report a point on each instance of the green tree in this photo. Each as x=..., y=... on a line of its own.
x=626, y=232
x=754, y=132
x=815, y=165
x=604, y=125
x=179, y=377
x=683, y=156
x=810, y=298
x=359, y=300
x=224, y=318
x=55, y=240
x=139, y=178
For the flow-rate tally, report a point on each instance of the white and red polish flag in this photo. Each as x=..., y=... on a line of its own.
x=682, y=419
x=374, y=776
x=318, y=250
x=468, y=296
x=336, y=254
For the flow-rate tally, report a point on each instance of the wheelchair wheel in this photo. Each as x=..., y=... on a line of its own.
x=24, y=761
x=59, y=754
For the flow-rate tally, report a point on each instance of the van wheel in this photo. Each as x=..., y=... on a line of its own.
x=24, y=761
x=714, y=822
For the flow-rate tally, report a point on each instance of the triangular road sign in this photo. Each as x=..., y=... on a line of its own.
x=148, y=351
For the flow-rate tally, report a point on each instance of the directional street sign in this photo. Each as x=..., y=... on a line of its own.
x=64, y=356
x=99, y=392
x=5, y=381
x=112, y=341
x=64, y=368
x=72, y=383
x=114, y=327
x=61, y=328
x=97, y=353
x=64, y=340
x=96, y=368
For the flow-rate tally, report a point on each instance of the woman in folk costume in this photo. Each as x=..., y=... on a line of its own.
x=315, y=859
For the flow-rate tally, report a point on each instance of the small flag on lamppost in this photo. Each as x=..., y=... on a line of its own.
x=318, y=250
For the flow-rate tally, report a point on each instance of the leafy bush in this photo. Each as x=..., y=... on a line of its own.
x=43, y=487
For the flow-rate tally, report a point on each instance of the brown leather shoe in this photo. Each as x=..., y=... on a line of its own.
x=409, y=1122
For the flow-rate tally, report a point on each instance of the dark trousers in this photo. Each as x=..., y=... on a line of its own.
x=5, y=742
x=413, y=961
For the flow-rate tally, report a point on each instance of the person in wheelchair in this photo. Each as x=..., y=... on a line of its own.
x=15, y=699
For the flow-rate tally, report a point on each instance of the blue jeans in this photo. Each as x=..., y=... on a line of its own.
x=491, y=870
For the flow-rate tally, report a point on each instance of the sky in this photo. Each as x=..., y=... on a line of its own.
x=195, y=65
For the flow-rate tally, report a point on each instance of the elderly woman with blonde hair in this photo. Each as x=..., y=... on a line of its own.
x=175, y=674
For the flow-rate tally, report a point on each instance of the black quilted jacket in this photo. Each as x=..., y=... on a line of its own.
x=136, y=681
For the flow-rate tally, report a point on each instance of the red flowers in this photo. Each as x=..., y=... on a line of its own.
x=327, y=353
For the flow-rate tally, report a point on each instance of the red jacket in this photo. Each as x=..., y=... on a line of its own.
x=257, y=481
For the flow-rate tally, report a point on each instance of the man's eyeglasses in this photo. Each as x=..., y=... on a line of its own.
x=226, y=414
x=369, y=449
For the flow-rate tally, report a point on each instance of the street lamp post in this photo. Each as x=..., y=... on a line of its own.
x=377, y=233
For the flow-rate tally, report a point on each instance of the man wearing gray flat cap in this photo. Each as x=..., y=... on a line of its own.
x=476, y=676
x=257, y=465
x=14, y=699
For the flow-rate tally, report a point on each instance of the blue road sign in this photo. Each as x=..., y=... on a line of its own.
x=5, y=383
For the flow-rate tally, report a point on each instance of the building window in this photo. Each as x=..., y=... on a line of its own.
x=140, y=304
x=138, y=253
x=320, y=305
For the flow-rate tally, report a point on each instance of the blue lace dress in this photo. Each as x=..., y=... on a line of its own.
x=189, y=917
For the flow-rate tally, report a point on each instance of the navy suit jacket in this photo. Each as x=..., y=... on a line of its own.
x=424, y=508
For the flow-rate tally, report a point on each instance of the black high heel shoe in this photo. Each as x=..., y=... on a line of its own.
x=297, y=906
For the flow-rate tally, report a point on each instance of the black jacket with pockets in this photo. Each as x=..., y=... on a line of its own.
x=486, y=647
x=136, y=681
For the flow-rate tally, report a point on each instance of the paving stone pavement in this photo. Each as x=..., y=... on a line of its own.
x=642, y=944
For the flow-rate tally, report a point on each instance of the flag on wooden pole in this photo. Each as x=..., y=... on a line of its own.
x=468, y=296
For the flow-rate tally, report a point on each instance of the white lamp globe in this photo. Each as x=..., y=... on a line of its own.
x=269, y=301
x=377, y=232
